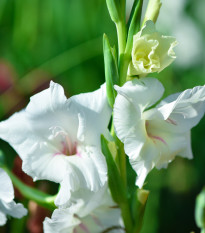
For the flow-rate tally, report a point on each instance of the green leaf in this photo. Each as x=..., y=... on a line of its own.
x=200, y=210
x=139, y=201
x=111, y=70
x=116, y=185
x=134, y=23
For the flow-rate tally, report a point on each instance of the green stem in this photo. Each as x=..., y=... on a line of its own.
x=126, y=215
x=123, y=67
x=33, y=194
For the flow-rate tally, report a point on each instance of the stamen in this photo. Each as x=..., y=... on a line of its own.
x=67, y=146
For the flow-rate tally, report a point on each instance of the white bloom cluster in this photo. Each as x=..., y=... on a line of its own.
x=59, y=139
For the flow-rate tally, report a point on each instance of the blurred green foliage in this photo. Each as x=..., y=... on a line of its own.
x=62, y=41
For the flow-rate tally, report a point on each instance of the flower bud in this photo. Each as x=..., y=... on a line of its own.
x=152, y=11
x=151, y=51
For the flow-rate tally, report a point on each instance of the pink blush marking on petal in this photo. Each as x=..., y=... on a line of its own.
x=158, y=138
x=153, y=136
x=96, y=220
x=84, y=228
x=169, y=120
x=78, y=154
x=57, y=153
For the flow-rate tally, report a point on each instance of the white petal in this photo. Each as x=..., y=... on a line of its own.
x=30, y=133
x=44, y=164
x=3, y=218
x=148, y=28
x=168, y=142
x=7, y=205
x=184, y=109
x=16, y=132
x=88, y=171
x=6, y=191
x=142, y=92
x=90, y=199
x=129, y=124
x=142, y=162
x=50, y=108
x=94, y=115
x=187, y=152
x=39, y=132
x=68, y=220
x=166, y=45
x=100, y=220
x=62, y=221
x=13, y=209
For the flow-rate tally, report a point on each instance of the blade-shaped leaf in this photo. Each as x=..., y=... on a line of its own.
x=114, y=179
x=134, y=23
x=111, y=70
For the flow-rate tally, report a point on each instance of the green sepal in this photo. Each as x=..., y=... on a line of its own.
x=134, y=23
x=200, y=210
x=116, y=185
x=30, y=193
x=139, y=200
x=111, y=70
x=114, y=8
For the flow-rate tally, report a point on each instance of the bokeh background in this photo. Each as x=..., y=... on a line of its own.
x=62, y=41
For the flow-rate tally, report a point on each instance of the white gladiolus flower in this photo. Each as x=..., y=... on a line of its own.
x=151, y=52
x=153, y=137
x=96, y=216
x=7, y=205
x=56, y=137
